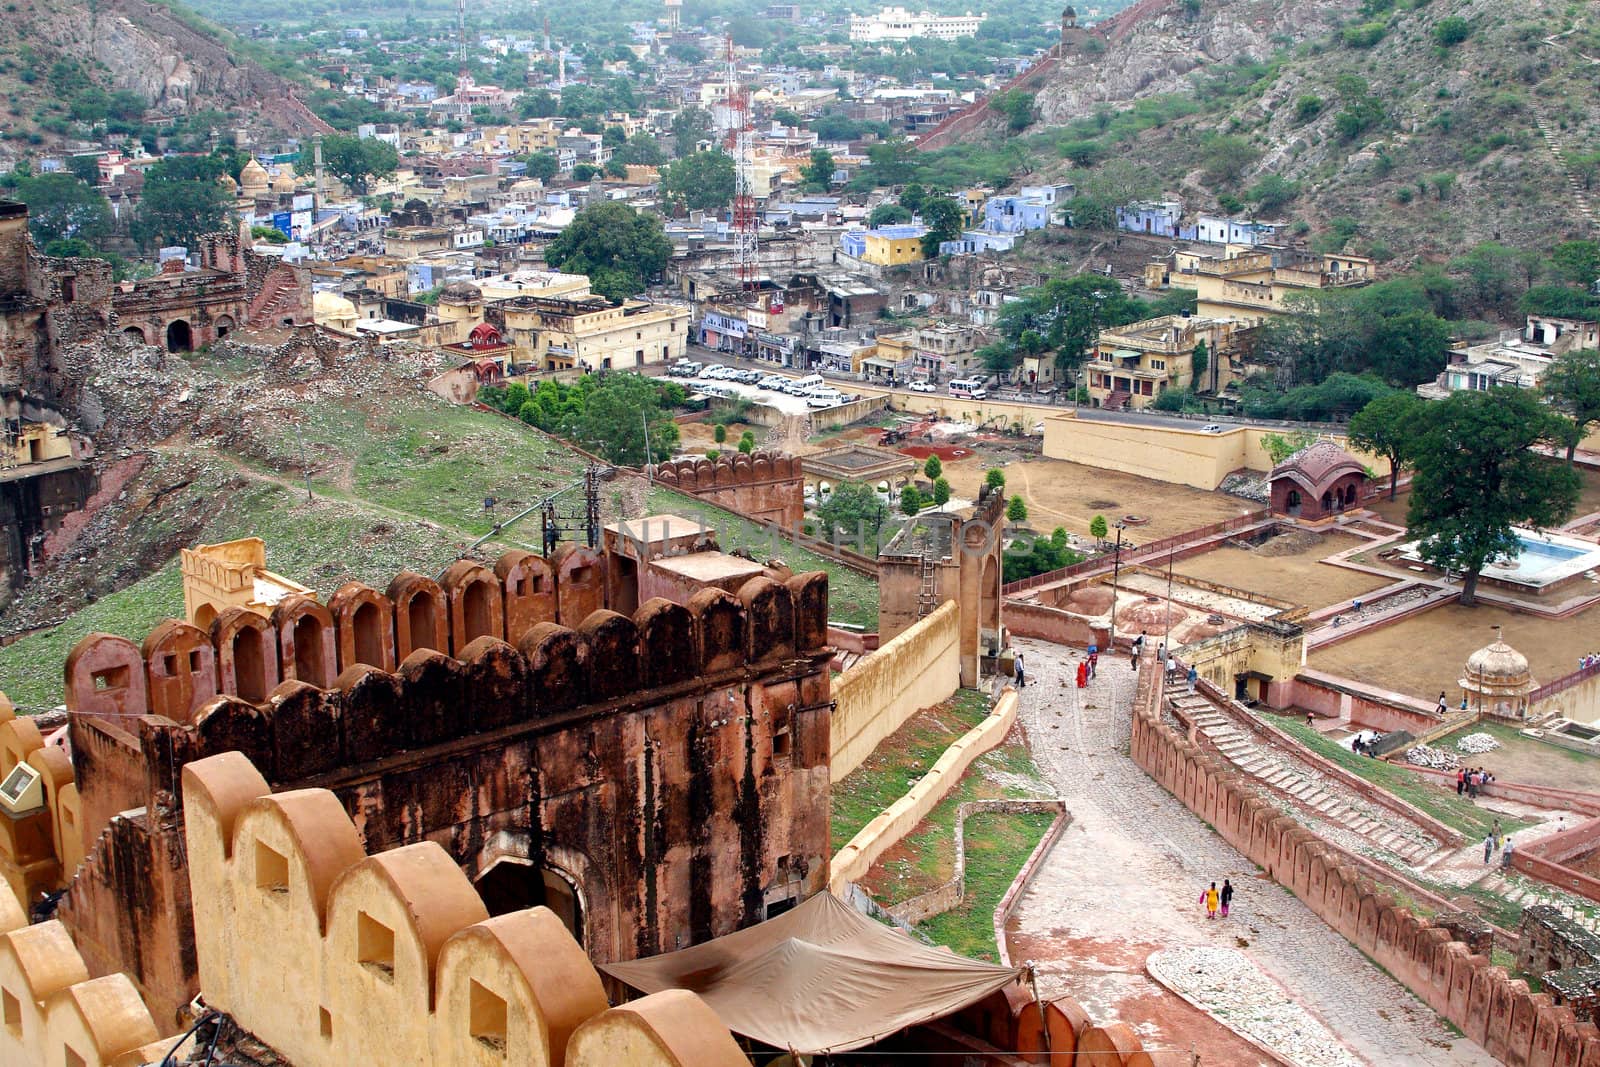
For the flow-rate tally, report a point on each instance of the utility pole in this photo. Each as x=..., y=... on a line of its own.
x=1116, y=568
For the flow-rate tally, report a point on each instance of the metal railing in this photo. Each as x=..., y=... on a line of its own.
x=1139, y=553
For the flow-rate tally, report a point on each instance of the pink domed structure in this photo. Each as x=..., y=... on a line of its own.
x=1317, y=482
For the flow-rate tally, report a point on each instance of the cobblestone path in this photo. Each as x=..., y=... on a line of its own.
x=1125, y=879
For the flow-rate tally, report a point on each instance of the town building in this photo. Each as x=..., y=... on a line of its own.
x=898, y=24
x=1256, y=284
x=1517, y=359
x=886, y=246
x=589, y=332
x=1134, y=364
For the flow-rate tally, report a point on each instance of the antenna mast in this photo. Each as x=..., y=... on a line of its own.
x=461, y=31
x=740, y=147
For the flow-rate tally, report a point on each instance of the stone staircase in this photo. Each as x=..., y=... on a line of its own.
x=1286, y=776
x=1524, y=892
x=1580, y=196
x=1116, y=401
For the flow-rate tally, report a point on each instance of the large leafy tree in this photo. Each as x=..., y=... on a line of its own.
x=641, y=150
x=690, y=126
x=853, y=514
x=1068, y=313
x=1388, y=427
x=943, y=217
x=543, y=165
x=817, y=174
x=1572, y=383
x=893, y=161
x=61, y=208
x=609, y=421
x=1577, y=262
x=617, y=247
x=181, y=200
x=1477, y=477
x=701, y=182
x=356, y=160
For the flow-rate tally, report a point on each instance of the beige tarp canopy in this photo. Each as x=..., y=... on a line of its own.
x=819, y=978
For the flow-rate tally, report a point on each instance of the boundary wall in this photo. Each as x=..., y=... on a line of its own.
x=916, y=670
x=1465, y=987
x=852, y=861
x=952, y=892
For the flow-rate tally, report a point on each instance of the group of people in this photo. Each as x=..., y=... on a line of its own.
x=1470, y=780
x=1218, y=899
x=1445, y=704
x=1592, y=659
x=1087, y=665
x=1494, y=842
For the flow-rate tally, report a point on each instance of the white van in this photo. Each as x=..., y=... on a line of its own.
x=800, y=386
x=968, y=388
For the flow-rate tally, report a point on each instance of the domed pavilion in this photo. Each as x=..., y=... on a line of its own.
x=1498, y=680
x=1317, y=482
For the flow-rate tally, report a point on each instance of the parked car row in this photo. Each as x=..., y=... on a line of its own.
x=812, y=388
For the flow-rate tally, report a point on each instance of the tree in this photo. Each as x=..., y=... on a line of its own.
x=1016, y=106
x=785, y=117
x=943, y=217
x=1017, y=510
x=690, y=126
x=941, y=491
x=354, y=160
x=1098, y=528
x=719, y=434
x=910, y=500
x=1272, y=192
x=60, y=207
x=85, y=168
x=1280, y=446
x=893, y=162
x=543, y=165
x=619, y=248
x=641, y=150
x=1451, y=31
x=607, y=421
x=932, y=468
x=701, y=182
x=817, y=175
x=1225, y=157
x=1492, y=272
x=1388, y=427
x=584, y=172
x=1477, y=477
x=1577, y=262
x=912, y=197
x=853, y=511
x=995, y=478
x=747, y=442
x=1199, y=363
x=1107, y=187
x=180, y=201
x=887, y=215
x=539, y=104
x=1572, y=383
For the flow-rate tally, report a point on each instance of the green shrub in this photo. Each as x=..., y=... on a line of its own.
x=1307, y=108
x=1363, y=35
x=1451, y=31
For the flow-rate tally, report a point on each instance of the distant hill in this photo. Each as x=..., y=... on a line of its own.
x=1407, y=128
x=67, y=66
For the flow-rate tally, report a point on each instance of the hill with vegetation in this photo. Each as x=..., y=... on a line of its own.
x=70, y=68
x=1403, y=129
x=225, y=444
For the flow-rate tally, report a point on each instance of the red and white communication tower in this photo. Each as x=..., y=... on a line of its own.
x=740, y=146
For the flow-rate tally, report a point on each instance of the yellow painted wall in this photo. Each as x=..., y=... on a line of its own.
x=892, y=251
x=900, y=818
x=918, y=669
x=1581, y=703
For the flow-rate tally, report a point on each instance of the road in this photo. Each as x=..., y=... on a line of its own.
x=1123, y=882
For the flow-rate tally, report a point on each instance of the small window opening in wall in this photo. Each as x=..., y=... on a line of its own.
x=110, y=678
x=196, y=660
x=13, y=1011
x=375, y=946
x=325, y=1021
x=488, y=1017
x=272, y=869
x=169, y=664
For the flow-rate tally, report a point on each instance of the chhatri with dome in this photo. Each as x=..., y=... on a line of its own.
x=1497, y=679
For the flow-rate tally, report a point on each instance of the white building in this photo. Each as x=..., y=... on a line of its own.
x=1514, y=359
x=898, y=24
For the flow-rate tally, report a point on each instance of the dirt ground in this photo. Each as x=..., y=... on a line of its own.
x=1524, y=760
x=1425, y=653
x=1288, y=567
x=1070, y=495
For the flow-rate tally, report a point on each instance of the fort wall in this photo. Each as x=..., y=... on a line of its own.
x=874, y=698
x=765, y=486
x=1456, y=980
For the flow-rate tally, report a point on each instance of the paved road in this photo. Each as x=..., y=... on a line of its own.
x=1124, y=881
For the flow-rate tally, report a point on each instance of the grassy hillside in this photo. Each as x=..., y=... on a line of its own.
x=399, y=478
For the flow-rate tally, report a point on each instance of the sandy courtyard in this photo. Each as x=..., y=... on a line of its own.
x=1070, y=495
x=1288, y=567
x=1425, y=653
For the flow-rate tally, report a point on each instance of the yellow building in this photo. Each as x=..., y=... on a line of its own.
x=530, y=282
x=892, y=246
x=1253, y=284
x=1136, y=363
x=589, y=333
x=535, y=135
x=232, y=574
x=36, y=442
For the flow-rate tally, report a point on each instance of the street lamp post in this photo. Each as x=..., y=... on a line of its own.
x=1116, y=568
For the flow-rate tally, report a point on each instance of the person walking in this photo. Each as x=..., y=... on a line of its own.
x=1488, y=848
x=1461, y=783
x=1136, y=649
x=1193, y=677
x=1083, y=673
x=1226, y=896
x=1441, y=704
x=1505, y=853
x=1211, y=899
x=1021, y=677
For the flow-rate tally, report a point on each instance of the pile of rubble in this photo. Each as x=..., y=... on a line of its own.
x=1248, y=486
x=1437, y=758
x=1477, y=744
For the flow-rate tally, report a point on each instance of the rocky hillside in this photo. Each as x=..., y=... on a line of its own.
x=67, y=66
x=1411, y=129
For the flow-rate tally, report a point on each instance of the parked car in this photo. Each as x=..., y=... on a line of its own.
x=749, y=377
x=711, y=370
x=1211, y=427
x=924, y=387
x=773, y=381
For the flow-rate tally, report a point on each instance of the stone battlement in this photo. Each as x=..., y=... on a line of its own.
x=767, y=486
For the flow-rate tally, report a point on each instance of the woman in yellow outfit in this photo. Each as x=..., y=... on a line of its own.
x=1212, y=899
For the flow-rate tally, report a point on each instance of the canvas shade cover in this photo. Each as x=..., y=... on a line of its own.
x=819, y=978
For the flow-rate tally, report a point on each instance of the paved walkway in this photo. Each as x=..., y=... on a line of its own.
x=1124, y=882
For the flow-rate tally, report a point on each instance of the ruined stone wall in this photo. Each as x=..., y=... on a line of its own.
x=765, y=486
x=1457, y=981
x=672, y=766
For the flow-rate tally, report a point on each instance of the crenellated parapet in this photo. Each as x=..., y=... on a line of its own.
x=768, y=486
